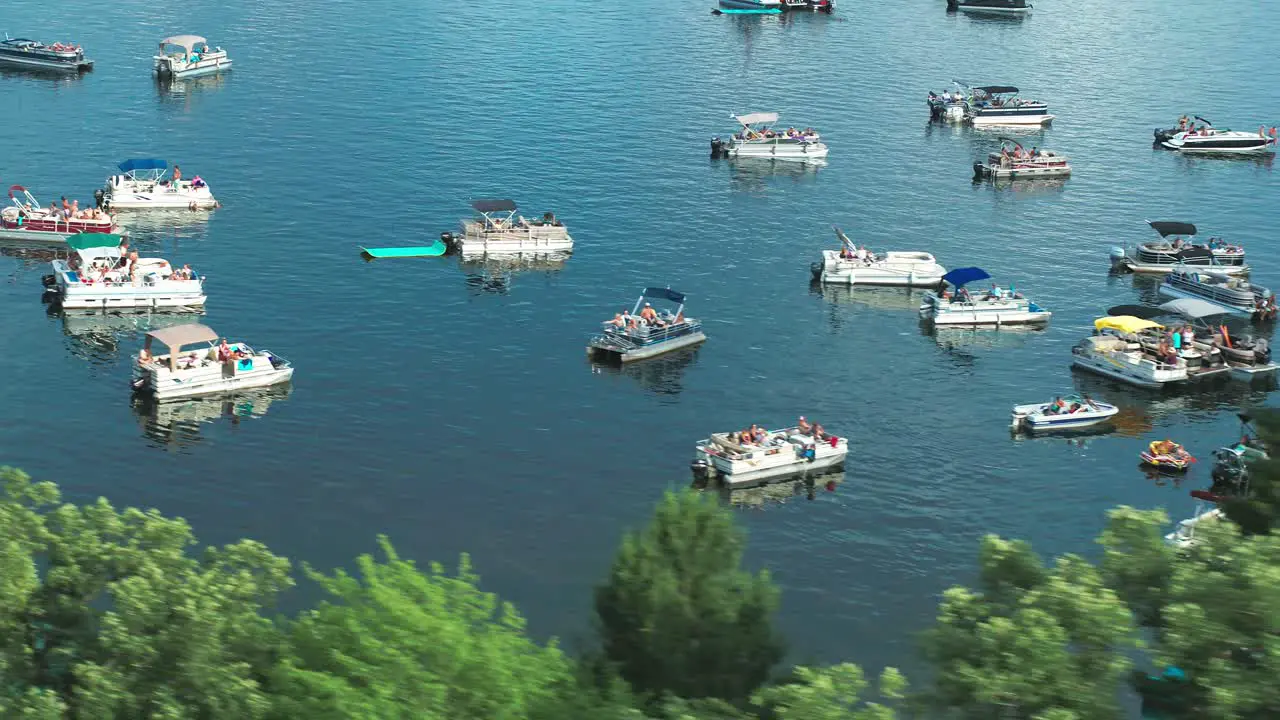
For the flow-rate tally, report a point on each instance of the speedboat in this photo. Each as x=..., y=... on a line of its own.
x=1012, y=162
x=1246, y=355
x=1000, y=6
x=1184, y=123
x=147, y=184
x=745, y=7
x=994, y=307
x=1233, y=295
x=735, y=460
x=645, y=332
x=1165, y=255
x=1166, y=455
x=1208, y=139
x=1062, y=413
x=1000, y=105
x=210, y=368
x=851, y=265
x=67, y=57
x=184, y=56
x=102, y=275
x=758, y=139
x=493, y=233
x=27, y=221
x=1118, y=350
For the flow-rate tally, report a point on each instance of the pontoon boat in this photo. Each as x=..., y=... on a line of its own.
x=1208, y=139
x=1233, y=295
x=789, y=451
x=991, y=307
x=492, y=233
x=1184, y=534
x=851, y=265
x=1012, y=162
x=746, y=7
x=210, y=368
x=1000, y=105
x=825, y=6
x=26, y=220
x=1246, y=355
x=100, y=274
x=989, y=6
x=1117, y=350
x=1062, y=413
x=67, y=57
x=1164, y=255
x=759, y=139
x=184, y=56
x=645, y=332
x=148, y=184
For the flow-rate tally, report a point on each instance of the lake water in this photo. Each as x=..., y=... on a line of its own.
x=450, y=405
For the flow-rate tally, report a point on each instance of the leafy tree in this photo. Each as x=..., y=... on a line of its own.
x=678, y=615
x=830, y=694
x=1033, y=643
x=402, y=643
x=1137, y=563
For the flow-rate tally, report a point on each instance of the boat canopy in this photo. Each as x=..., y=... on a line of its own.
x=85, y=241
x=1167, y=228
x=142, y=164
x=178, y=335
x=962, y=276
x=759, y=117
x=997, y=89
x=1138, y=311
x=488, y=206
x=664, y=294
x=1193, y=308
x=1125, y=323
x=186, y=42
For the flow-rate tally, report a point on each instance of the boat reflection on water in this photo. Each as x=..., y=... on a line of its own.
x=1207, y=396
x=961, y=342
x=493, y=274
x=1042, y=186
x=898, y=299
x=171, y=89
x=661, y=375
x=44, y=75
x=179, y=224
x=178, y=423
x=752, y=174
x=776, y=492
x=96, y=336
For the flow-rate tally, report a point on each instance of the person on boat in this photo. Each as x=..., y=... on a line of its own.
x=1182, y=123
x=66, y=207
x=1188, y=336
x=186, y=272
x=995, y=292
x=1054, y=407
x=144, y=356
x=177, y=175
x=803, y=426
x=648, y=313
x=617, y=320
x=224, y=350
x=818, y=432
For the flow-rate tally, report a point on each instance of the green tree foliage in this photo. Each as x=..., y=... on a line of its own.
x=1034, y=642
x=1137, y=562
x=678, y=615
x=832, y=693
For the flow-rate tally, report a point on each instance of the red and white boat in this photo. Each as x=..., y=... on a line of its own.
x=26, y=220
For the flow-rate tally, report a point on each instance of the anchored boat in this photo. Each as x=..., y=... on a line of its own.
x=851, y=265
x=493, y=233
x=1130, y=349
x=1207, y=139
x=27, y=221
x=989, y=6
x=758, y=139
x=210, y=368
x=1233, y=295
x=1000, y=105
x=185, y=56
x=1013, y=162
x=993, y=307
x=645, y=332
x=1246, y=355
x=1062, y=413
x=102, y=274
x=148, y=183
x=751, y=7
x=1165, y=255
x=67, y=57
x=737, y=459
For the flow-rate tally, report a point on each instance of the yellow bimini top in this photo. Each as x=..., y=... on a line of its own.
x=1125, y=323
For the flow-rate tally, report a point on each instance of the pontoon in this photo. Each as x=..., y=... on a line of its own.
x=27, y=221
x=1117, y=350
x=498, y=230
x=989, y=6
x=645, y=332
x=1210, y=140
x=67, y=57
x=184, y=56
x=851, y=265
x=1246, y=354
x=1013, y=162
x=1000, y=105
x=758, y=139
x=747, y=7
x=790, y=451
x=1164, y=255
x=211, y=368
x=985, y=307
x=148, y=183
x=1063, y=413
x=102, y=275
x=1232, y=295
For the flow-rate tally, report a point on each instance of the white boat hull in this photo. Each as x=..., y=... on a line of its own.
x=122, y=194
x=212, y=379
x=130, y=301
x=1023, y=173
x=532, y=246
x=1013, y=119
x=983, y=312
x=649, y=351
x=897, y=269
x=766, y=462
x=1125, y=368
x=1033, y=417
x=789, y=151
x=1167, y=290
x=179, y=70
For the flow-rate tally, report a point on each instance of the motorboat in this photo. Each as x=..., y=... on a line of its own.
x=67, y=57
x=751, y=7
x=1184, y=123
x=147, y=183
x=1166, y=455
x=1231, y=463
x=1117, y=350
x=758, y=139
x=1210, y=140
x=825, y=6
x=497, y=230
x=1233, y=295
x=989, y=6
x=851, y=265
x=645, y=332
x=1013, y=162
x=1000, y=105
x=210, y=368
x=26, y=220
x=735, y=460
x=1246, y=355
x=1184, y=535
x=185, y=56
x=1165, y=254
x=949, y=106
x=993, y=307
x=101, y=274
x=1062, y=413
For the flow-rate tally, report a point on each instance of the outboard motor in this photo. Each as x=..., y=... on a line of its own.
x=816, y=268
x=979, y=171
x=100, y=198
x=717, y=148
x=1262, y=351
x=953, y=5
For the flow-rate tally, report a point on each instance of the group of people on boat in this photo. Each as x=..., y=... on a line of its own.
x=1062, y=407
x=69, y=211
x=948, y=97
x=647, y=318
x=853, y=252
x=757, y=435
x=962, y=294
x=1167, y=448
x=64, y=47
x=769, y=134
x=1018, y=155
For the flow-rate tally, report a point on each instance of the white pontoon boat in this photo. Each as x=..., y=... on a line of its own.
x=1000, y=105
x=1013, y=162
x=993, y=307
x=989, y=6
x=1247, y=355
x=782, y=452
x=35, y=54
x=27, y=221
x=645, y=332
x=1062, y=413
x=185, y=56
x=148, y=184
x=1118, y=351
x=211, y=368
x=758, y=139
x=493, y=233
x=851, y=265
x=1232, y=295
x=102, y=275
x=1164, y=255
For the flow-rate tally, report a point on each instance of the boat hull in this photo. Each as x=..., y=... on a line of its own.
x=1119, y=371
x=38, y=236
x=1012, y=119
x=647, y=351
x=218, y=384
x=895, y=269
x=780, y=151
x=986, y=318
x=1170, y=291
x=43, y=64
x=1033, y=419
x=981, y=170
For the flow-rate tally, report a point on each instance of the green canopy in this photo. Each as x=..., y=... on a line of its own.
x=84, y=241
